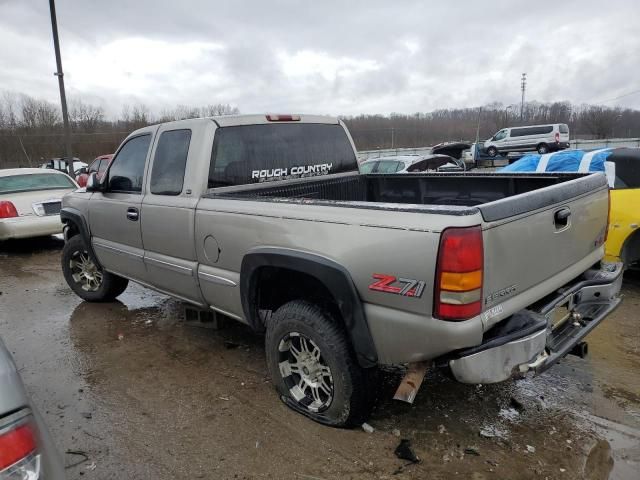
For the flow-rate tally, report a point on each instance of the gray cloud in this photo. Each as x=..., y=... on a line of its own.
x=328, y=57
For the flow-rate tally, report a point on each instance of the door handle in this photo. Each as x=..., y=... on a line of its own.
x=133, y=214
x=561, y=217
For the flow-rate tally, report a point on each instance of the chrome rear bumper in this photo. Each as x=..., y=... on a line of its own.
x=529, y=341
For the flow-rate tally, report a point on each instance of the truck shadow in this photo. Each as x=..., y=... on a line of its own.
x=29, y=246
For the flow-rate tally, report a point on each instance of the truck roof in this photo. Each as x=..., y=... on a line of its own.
x=252, y=119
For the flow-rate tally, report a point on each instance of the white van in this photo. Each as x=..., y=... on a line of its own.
x=540, y=138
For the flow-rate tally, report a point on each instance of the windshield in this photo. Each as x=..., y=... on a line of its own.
x=500, y=135
x=257, y=153
x=389, y=167
x=367, y=167
x=34, y=182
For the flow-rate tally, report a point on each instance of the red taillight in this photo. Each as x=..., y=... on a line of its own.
x=7, y=209
x=283, y=118
x=557, y=137
x=459, y=272
x=16, y=444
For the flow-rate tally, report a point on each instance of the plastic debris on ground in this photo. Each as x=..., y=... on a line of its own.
x=367, y=428
x=493, y=431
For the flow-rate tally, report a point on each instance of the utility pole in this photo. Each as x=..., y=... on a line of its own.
x=63, y=97
x=523, y=87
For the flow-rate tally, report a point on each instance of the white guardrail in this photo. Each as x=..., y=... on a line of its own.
x=575, y=144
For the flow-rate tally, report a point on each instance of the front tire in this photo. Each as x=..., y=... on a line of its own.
x=543, y=148
x=313, y=366
x=492, y=151
x=87, y=279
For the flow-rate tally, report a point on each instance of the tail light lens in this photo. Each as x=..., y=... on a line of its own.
x=7, y=209
x=19, y=458
x=459, y=272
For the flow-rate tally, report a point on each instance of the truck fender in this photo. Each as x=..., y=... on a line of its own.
x=72, y=216
x=331, y=274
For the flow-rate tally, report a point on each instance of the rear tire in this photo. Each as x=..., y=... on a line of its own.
x=542, y=148
x=87, y=279
x=314, y=368
x=492, y=151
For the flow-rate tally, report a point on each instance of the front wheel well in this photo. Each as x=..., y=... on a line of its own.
x=70, y=229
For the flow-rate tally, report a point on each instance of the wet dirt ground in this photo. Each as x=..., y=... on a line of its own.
x=144, y=395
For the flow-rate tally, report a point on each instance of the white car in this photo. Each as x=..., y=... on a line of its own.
x=30, y=201
x=412, y=164
x=530, y=138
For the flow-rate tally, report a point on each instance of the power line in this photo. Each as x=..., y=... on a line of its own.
x=617, y=98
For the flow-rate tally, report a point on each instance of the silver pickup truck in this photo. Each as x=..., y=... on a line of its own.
x=266, y=219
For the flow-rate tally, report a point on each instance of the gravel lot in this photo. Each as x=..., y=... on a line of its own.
x=145, y=395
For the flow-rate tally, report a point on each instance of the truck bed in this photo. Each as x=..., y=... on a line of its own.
x=439, y=193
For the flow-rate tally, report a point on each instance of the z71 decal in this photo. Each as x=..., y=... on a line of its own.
x=399, y=286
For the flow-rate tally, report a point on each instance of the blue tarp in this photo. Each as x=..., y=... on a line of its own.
x=563, y=161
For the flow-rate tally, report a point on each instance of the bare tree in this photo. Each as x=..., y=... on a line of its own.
x=217, y=109
x=599, y=121
x=140, y=115
x=85, y=117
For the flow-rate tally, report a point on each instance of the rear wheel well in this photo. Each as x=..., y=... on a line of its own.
x=276, y=286
x=630, y=252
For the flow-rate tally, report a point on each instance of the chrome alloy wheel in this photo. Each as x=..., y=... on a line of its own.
x=85, y=272
x=305, y=372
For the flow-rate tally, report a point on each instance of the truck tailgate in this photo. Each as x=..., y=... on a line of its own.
x=536, y=242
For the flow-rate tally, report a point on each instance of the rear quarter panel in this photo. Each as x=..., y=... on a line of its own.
x=364, y=241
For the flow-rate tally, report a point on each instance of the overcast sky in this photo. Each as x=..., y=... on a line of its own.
x=335, y=57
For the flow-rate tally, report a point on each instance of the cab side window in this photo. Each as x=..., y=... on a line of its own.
x=127, y=168
x=167, y=175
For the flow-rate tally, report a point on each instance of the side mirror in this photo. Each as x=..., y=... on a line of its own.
x=93, y=184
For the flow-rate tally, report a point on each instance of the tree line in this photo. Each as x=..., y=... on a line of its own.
x=423, y=129
x=31, y=129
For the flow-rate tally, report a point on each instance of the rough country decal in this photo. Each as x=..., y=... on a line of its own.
x=400, y=286
x=293, y=172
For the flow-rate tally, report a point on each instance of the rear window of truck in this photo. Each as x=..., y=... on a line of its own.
x=259, y=153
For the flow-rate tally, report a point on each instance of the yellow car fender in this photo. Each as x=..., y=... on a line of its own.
x=624, y=223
